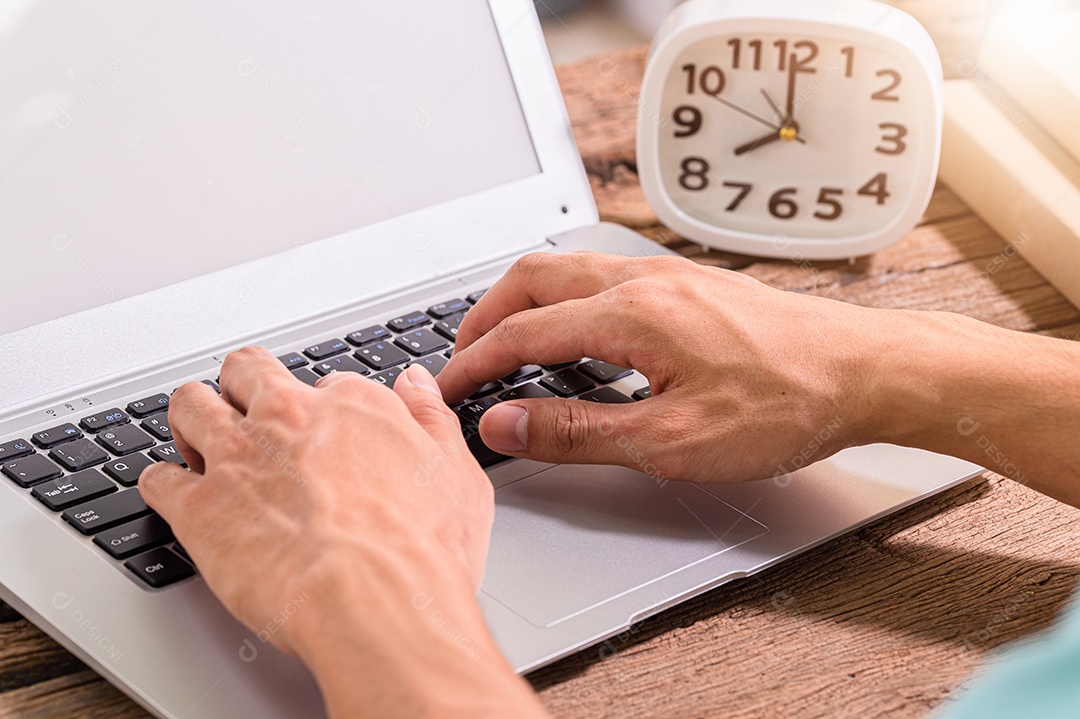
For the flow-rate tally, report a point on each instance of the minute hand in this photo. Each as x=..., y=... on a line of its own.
x=791, y=89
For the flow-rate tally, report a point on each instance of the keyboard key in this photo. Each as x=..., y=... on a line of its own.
x=484, y=454
x=158, y=427
x=167, y=453
x=306, y=376
x=293, y=360
x=160, y=567
x=179, y=549
x=388, y=378
x=607, y=395
x=145, y=407
x=212, y=385
x=52, y=437
x=475, y=296
x=471, y=412
x=529, y=371
x=603, y=372
x=340, y=364
x=421, y=342
x=409, y=321
x=643, y=393
x=124, y=440
x=135, y=536
x=433, y=364
x=560, y=365
x=448, y=327
x=327, y=349
x=101, y=514
x=381, y=355
x=59, y=494
x=31, y=470
x=567, y=383
x=101, y=420
x=450, y=307
x=368, y=335
x=15, y=448
x=126, y=471
x=526, y=391
x=78, y=455
x=489, y=388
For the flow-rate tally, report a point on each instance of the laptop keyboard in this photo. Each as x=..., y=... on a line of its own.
x=88, y=471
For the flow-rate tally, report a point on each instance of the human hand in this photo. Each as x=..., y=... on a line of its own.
x=744, y=377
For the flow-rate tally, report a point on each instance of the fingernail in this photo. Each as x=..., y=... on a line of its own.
x=506, y=428
x=420, y=377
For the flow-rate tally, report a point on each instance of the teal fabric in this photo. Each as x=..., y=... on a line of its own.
x=1037, y=678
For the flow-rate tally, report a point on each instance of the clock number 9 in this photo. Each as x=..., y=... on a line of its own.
x=692, y=124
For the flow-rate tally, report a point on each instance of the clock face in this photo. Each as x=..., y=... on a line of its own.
x=790, y=135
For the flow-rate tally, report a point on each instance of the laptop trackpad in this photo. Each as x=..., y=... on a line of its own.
x=572, y=537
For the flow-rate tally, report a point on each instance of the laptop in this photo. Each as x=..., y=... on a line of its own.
x=180, y=179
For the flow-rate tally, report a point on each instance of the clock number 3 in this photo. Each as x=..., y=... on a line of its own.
x=899, y=132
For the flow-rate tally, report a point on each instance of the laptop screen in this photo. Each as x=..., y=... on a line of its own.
x=146, y=142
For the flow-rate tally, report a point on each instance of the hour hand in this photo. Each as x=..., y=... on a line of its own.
x=755, y=144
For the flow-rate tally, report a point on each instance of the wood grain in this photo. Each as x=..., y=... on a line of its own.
x=888, y=621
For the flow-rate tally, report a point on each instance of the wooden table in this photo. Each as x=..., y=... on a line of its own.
x=887, y=621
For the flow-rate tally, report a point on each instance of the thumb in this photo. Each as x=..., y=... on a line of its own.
x=422, y=396
x=562, y=430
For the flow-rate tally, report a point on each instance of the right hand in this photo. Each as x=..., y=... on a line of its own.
x=744, y=378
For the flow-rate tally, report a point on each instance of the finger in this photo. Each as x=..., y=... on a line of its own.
x=249, y=371
x=197, y=417
x=162, y=486
x=568, y=331
x=566, y=431
x=422, y=396
x=538, y=280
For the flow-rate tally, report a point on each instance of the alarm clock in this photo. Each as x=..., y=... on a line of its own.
x=790, y=128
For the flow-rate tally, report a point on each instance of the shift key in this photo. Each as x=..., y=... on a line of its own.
x=59, y=494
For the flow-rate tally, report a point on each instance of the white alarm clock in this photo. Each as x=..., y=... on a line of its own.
x=802, y=129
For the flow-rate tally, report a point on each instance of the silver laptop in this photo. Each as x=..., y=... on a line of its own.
x=180, y=179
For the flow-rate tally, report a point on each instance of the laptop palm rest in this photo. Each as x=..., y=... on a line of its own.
x=571, y=537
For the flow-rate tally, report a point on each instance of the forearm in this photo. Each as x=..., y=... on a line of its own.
x=1005, y=400
x=399, y=641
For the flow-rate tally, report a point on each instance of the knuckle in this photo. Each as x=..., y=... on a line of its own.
x=570, y=427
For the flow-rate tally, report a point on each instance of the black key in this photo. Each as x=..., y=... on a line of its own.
x=306, y=376
x=603, y=372
x=15, y=448
x=471, y=412
x=124, y=440
x=293, y=360
x=445, y=309
x=135, y=536
x=409, y=321
x=52, y=437
x=59, y=494
x=448, y=326
x=529, y=371
x=559, y=365
x=145, y=407
x=421, y=342
x=526, y=391
x=643, y=393
x=160, y=567
x=78, y=455
x=368, y=335
x=567, y=382
x=607, y=395
x=381, y=355
x=487, y=389
x=345, y=363
x=101, y=420
x=101, y=514
x=434, y=363
x=126, y=471
x=484, y=454
x=167, y=453
x=388, y=377
x=475, y=296
x=212, y=385
x=158, y=426
x=327, y=349
x=31, y=470
x=179, y=549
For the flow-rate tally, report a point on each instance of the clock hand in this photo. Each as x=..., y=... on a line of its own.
x=772, y=104
x=749, y=114
x=791, y=90
x=755, y=144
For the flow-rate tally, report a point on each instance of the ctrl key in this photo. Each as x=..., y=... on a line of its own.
x=160, y=567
